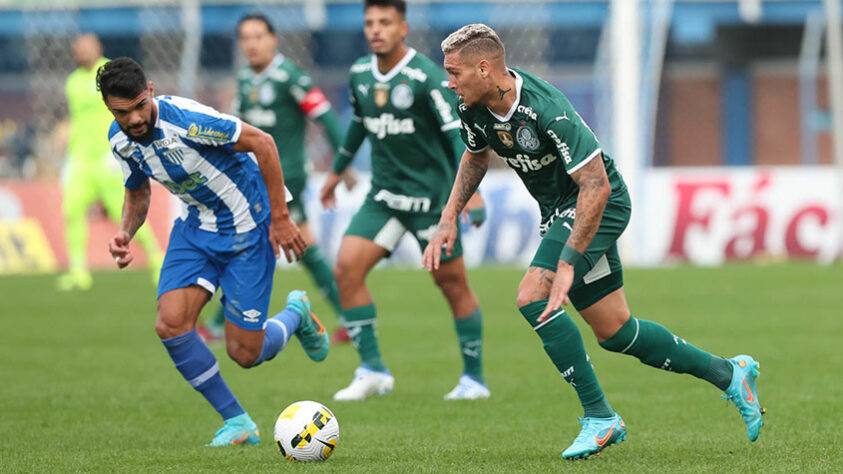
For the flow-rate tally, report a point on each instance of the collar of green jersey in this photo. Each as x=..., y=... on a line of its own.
x=381, y=77
x=276, y=61
x=518, y=82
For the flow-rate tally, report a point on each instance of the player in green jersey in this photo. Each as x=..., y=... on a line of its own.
x=402, y=105
x=277, y=96
x=584, y=207
x=90, y=174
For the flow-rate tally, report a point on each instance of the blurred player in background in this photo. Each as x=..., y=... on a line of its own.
x=234, y=218
x=585, y=207
x=401, y=103
x=90, y=174
x=278, y=97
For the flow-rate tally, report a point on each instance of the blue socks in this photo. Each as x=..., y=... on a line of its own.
x=199, y=367
x=279, y=329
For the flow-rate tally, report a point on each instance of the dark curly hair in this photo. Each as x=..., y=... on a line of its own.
x=399, y=5
x=121, y=77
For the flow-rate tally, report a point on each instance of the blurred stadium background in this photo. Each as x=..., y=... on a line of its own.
x=720, y=113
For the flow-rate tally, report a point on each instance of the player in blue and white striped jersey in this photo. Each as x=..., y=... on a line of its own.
x=234, y=219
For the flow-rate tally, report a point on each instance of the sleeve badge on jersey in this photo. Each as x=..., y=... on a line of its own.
x=505, y=138
x=381, y=94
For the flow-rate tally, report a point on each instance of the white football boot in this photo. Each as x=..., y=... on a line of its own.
x=468, y=389
x=366, y=383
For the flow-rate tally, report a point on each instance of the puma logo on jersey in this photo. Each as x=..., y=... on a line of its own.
x=364, y=89
x=387, y=124
x=482, y=129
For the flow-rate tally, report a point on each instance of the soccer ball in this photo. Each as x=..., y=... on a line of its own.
x=306, y=431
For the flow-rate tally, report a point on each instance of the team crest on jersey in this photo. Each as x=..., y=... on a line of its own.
x=381, y=94
x=402, y=96
x=505, y=138
x=266, y=94
x=527, y=138
x=174, y=156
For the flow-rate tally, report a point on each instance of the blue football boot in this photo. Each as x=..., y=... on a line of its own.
x=238, y=429
x=311, y=333
x=744, y=395
x=596, y=434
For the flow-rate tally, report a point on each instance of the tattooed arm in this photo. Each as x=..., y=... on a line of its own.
x=591, y=201
x=135, y=207
x=473, y=167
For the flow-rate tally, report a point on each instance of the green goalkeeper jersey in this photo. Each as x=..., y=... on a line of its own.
x=278, y=100
x=543, y=139
x=408, y=116
x=90, y=119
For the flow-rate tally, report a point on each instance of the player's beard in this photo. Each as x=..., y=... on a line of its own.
x=147, y=135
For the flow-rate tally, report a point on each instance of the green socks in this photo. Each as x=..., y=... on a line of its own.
x=657, y=347
x=360, y=322
x=563, y=344
x=322, y=274
x=470, y=336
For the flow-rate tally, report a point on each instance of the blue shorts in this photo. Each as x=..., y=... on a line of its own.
x=242, y=265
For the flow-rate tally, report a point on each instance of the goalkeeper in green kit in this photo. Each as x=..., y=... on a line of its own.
x=584, y=207
x=90, y=172
x=277, y=96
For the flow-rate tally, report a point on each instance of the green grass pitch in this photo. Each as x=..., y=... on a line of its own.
x=85, y=385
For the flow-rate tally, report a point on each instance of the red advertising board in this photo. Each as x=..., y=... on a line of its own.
x=32, y=228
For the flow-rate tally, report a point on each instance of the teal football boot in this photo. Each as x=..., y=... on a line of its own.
x=744, y=395
x=596, y=434
x=238, y=429
x=311, y=333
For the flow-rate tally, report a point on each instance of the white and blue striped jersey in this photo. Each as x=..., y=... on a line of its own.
x=191, y=154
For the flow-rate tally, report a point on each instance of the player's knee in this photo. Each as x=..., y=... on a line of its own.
x=528, y=294
x=166, y=327
x=345, y=275
x=244, y=356
x=452, y=286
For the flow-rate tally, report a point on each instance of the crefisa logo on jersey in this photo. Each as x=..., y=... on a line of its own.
x=381, y=94
x=527, y=138
x=402, y=96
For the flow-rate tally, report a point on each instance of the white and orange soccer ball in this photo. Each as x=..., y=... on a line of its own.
x=307, y=431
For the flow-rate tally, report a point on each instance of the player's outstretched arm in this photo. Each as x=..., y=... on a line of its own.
x=594, y=191
x=283, y=231
x=473, y=168
x=135, y=208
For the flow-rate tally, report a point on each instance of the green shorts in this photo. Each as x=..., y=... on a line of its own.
x=384, y=226
x=296, y=206
x=599, y=272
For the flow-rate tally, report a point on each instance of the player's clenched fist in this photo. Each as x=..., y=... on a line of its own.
x=119, y=248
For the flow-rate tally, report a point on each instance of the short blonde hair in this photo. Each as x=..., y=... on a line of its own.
x=473, y=39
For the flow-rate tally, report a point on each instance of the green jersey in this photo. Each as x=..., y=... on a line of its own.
x=408, y=117
x=543, y=139
x=278, y=100
x=90, y=119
